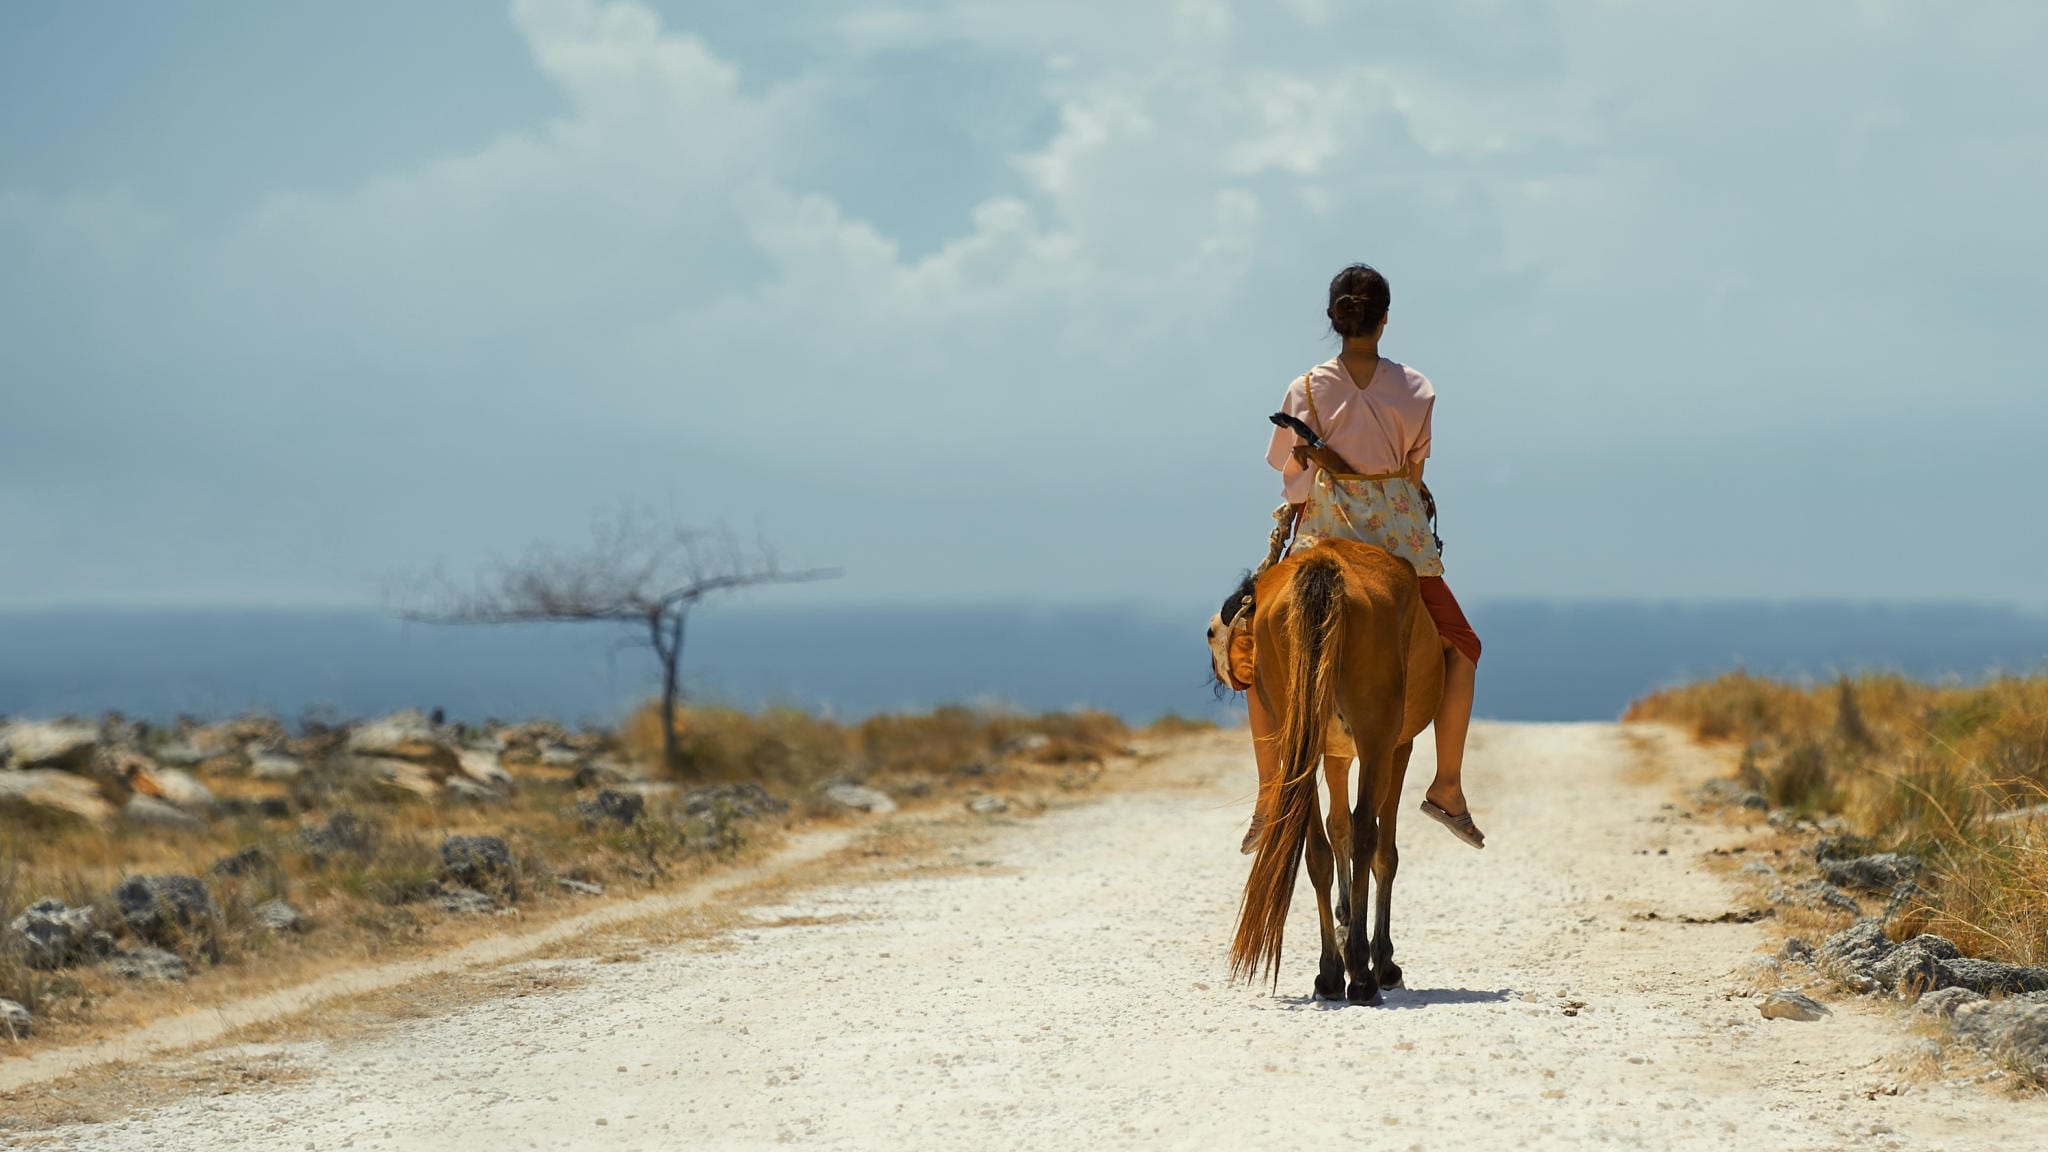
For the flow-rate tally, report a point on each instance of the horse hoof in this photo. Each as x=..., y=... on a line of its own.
x=1363, y=992
x=1330, y=987
x=1389, y=976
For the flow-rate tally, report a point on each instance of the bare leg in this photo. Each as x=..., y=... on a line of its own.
x=1267, y=753
x=1337, y=777
x=1453, y=719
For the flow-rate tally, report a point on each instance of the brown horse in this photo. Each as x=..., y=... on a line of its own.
x=1341, y=637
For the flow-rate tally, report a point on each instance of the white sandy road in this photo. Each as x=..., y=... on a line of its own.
x=1066, y=990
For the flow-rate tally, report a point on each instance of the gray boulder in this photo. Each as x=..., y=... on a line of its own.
x=1913, y=967
x=344, y=833
x=1883, y=872
x=51, y=790
x=476, y=861
x=50, y=935
x=162, y=908
x=148, y=964
x=1792, y=1006
x=145, y=811
x=1817, y=894
x=1851, y=956
x=860, y=798
x=746, y=801
x=465, y=901
x=60, y=745
x=1795, y=949
x=2012, y=1032
x=278, y=916
x=15, y=1021
x=1991, y=976
x=275, y=766
x=248, y=862
x=1829, y=848
x=1943, y=1002
x=612, y=806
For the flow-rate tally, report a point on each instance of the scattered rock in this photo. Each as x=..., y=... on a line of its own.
x=580, y=887
x=181, y=754
x=467, y=901
x=988, y=805
x=746, y=801
x=249, y=861
x=476, y=860
x=1829, y=848
x=1816, y=894
x=557, y=756
x=482, y=766
x=467, y=791
x=148, y=964
x=59, y=745
x=1943, y=1002
x=173, y=786
x=975, y=768
x=275, y=766
x=1028, y=744
x=2012, y=1032
x=403, y=775
x=407, y=736
x=1883, y=872
x=160, y=908
x=15, y=1021
x=50, y=935
x=344, y=832
x=621, y=808
x=1796, y=949
x=599, y=773
x=278, y=916
x=146, y=811
x=1783, y=1005
x=1732, y=792
x=49, y=790
x=860, y=798
x=1991, y=976
x=1851, y=956
x=1759, y=868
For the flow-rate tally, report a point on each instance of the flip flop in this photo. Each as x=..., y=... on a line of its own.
x=1460, y=825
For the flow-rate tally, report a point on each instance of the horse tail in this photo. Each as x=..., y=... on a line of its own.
x=1314, y=615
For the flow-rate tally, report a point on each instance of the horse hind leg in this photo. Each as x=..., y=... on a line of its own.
x=1330, y=979
x=1386, y=860
x=1337, y=776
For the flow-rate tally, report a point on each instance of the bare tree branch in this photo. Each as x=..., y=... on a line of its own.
x=635, y=571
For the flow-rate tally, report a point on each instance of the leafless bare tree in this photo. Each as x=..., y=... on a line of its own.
x=636, y=571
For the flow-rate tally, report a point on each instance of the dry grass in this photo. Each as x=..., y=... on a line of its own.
x=371, y=901
x=1955, y=775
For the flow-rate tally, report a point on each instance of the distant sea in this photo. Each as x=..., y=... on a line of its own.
x=1543, y=661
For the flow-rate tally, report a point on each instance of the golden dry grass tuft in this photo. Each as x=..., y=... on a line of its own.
x=1955, y=775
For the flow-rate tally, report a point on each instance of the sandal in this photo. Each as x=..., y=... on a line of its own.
x=1460, y=825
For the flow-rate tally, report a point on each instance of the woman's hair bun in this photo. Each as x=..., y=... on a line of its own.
x=1359, y=297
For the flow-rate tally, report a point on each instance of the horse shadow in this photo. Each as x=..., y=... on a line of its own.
x=1406, y=998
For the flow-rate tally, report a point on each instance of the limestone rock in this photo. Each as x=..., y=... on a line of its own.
x=613, y=806
x=746, y=801
x=408, y=736
x=148, y=964
x=49, y=790
x=61, y=745
x=160, y=908
x=483, y=767
x=476, y=860
x=145, y=811
x=988, y=805
x=468, y=791
x=275, y=766
x=1880, y=873
x=581, y=887
x=2013, y=1032
x=1792, y=1006
x=1943, y=1002
x=278, y=916
x=1991, y=976
x=15, y=1021
x=860, y=798
x=466, y=901
x=50, y=935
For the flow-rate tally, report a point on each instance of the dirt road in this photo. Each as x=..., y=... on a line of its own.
x=1064, y=988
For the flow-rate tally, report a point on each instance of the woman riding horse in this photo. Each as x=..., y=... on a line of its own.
x=1364, y=483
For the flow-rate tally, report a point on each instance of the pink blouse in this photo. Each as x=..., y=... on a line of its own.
x=1383, y=427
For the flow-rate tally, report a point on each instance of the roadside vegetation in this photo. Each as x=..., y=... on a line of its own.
x=1955, y=777
x=191, y=863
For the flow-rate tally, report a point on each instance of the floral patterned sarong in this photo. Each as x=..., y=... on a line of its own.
x=1384, y=511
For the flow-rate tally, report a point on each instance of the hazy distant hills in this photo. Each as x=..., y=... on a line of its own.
x=1544, y=661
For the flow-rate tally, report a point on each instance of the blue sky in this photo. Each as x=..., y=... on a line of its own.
x=988, y=302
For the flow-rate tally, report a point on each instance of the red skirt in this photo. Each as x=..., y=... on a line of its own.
x=1450, y=619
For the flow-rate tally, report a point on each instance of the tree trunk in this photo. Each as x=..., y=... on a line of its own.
x=671, y=688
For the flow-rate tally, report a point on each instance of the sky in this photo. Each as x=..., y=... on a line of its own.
x=988, y=302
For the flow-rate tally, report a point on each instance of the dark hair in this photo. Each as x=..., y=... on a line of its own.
x=1358, y=300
